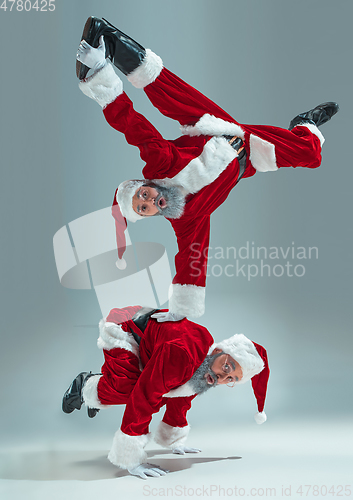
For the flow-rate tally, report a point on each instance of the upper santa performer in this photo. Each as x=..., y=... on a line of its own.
x=186, y=179
x=150, y=364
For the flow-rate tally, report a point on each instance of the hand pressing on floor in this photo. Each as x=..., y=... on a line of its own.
x=147, y=470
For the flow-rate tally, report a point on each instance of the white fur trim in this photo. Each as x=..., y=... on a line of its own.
x=126, y=191
x=127, y=451
x=243, y=351
x=182, y=391
x=314, y=130
x=113, y=336
x=104, y=86
x=171, y=437
x=202, y=171
x=260, y=418
x=90, y=394
x=211, y=125
x=188, y=300
x=262, y=154
x=147, y=72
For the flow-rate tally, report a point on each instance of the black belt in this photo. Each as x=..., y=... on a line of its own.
x=141, y=323
x=237, y=144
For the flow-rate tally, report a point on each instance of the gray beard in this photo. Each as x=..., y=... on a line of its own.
x=198, y=381
x=174, y=197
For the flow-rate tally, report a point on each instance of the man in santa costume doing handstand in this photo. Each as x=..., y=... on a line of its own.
x=188, y=178
x=149, y=364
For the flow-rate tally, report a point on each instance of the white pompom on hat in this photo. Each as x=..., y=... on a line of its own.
x=252, y=358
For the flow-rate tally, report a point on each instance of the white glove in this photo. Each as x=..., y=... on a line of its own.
x=181, y=450
x=144, y=470
x=161, y=317
x=90, y=57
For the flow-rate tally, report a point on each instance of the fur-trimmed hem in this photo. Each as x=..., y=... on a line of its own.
x=183, y=391
x=147, y=72
x=171, y=437
x=188, y=300
x=113, y=336
x=90, y=393
x=127, y=451
x=104, y=86
x=314, y=130
x=262, y=154
x=211, y=125
x=203, y=170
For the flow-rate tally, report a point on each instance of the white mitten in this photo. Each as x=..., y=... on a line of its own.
x=161, y=317
x=90, y=57
x=145, y=470
x=181, y=450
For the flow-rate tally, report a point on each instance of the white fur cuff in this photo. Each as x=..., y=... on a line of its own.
x=314, y=130
x=171, y=437
x=112, y=336
x=104, y=86
x=90, y=394
x=211, y=125
x=262, y=154
x=187, y=300
x=147, y=72
x=127, y=451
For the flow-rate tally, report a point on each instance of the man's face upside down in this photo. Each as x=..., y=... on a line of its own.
x=217, y=368
x=153, y=199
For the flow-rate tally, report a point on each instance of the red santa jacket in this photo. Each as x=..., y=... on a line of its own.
x=169, y=355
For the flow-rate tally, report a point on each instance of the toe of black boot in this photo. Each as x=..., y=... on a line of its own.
x=72, y=399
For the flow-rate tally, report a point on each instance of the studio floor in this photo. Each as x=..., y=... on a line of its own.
x=298, y=459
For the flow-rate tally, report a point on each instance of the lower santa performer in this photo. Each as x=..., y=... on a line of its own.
x=185, y=179
x=149, y=364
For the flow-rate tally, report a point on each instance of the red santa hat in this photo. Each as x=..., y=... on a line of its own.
x=122, y=210
x=253, y=360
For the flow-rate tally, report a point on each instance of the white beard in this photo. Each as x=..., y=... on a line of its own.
x=173, y=195
x=198, y=381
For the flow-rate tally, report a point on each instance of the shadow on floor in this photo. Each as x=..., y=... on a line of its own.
x=86, y=465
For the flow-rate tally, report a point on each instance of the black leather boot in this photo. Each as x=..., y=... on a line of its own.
x=123, y=51
x=317, y=116
x=73, y=400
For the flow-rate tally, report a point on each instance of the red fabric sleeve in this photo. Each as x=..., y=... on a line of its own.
x=168, y=368
x=176, y=410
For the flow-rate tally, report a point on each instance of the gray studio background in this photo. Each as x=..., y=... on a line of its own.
x=264, y=62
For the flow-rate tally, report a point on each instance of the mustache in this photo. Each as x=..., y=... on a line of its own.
x=174, y=198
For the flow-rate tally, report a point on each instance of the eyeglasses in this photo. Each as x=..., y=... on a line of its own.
x=227, y=368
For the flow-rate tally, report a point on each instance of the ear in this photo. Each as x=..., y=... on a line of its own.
x=216, y=350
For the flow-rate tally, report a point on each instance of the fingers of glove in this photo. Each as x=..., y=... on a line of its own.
x=179, y=451
x=85, y=45
x=160, y=317
x=155, y=472
x=101, y=43
x=192, y=450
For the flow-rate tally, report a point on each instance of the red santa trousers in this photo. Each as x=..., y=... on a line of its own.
x=120, y=373
x=177, y=100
